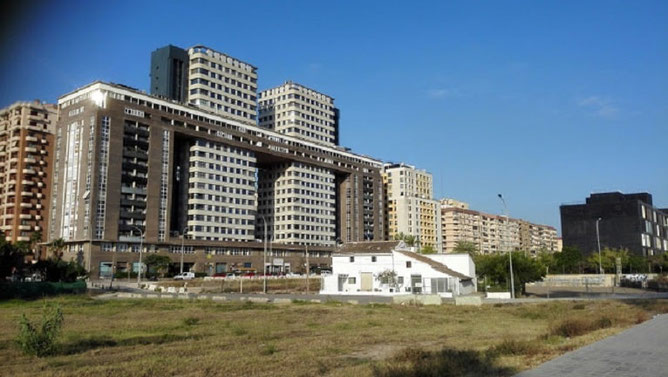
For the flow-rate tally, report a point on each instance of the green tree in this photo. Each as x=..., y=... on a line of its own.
x=159, y=262
x=466, y=247
x=495, y=270
x=35, y=239
x=428, y=249
x=608, y=259
x=569, y=261
x=11, y=258
x=56, y=247
x=407, y=238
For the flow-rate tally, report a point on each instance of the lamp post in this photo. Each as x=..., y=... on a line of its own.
x=598, y=241
x=183, y=238
x=510, y=252
x=264, y=258
x=141, y=246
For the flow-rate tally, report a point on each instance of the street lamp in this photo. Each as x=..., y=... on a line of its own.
x=141, y=246
x=598, y=241
x=183, y=237
x=510, y=252
x=264, y=259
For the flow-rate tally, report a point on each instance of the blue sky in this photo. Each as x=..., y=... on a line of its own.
x=544, y=102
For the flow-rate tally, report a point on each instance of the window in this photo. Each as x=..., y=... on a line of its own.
x=352, y=259
x=408, y=264
x=400, y=280
x=373, y=258
x=351, y=280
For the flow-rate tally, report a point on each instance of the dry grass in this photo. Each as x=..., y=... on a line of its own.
x=281, y=285
x=200, y=338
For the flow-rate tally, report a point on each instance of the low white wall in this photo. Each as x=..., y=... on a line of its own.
x=499, y=295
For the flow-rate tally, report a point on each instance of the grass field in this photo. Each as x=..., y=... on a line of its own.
x=177, y=337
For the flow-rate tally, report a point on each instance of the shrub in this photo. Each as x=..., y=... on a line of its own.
x=516, y=348
x=572, y=327
x=40, y=341
x=446, y=362
x=190, y=321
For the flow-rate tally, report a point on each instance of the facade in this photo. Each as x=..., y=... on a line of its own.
x=132, y=169
x=627, y=221
x=295, y=110
x=26, y=149
x=410, y=208
x=208, y=79
x=448, y=202
x=494, y=234
x=362, y=268
x=169, y=73
x=490, y=234
x=298, y=202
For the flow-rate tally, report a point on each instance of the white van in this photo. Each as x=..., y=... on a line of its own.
x=185, y=276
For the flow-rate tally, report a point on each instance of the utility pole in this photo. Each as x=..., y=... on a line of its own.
x=183, y=238
x=308, y=271
x=598, y=241
x=510, y=252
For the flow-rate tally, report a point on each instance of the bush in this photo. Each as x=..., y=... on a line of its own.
x=516, y=348
x=572, y=327
x=190, y=321
x=40, y=341
x=28, y=290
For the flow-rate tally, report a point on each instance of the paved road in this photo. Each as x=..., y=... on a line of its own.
x=638, y=351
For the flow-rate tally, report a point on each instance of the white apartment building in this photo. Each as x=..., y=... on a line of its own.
x=221, y=202
x=223, y=84
x=410, y=208
x=295, y=110
x=298, y=202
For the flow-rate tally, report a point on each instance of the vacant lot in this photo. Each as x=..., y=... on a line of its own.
x=177, y=337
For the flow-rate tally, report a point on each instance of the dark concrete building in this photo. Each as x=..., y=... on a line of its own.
x=169, y=73
x=628, y=221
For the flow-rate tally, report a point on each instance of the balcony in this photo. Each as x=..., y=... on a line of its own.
x=31, y=138
x=28, y=171
x=26, y=205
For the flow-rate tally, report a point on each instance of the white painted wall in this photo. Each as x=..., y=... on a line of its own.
x=363, y=263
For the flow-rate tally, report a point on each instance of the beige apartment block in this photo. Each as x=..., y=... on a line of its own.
x=493, y=233
x=222, y=84
x=447, y=202
x=295, y=110
x=410, y=208
x=26, y=145
x=536, y=238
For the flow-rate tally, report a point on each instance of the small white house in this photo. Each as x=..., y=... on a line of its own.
x=391, y=268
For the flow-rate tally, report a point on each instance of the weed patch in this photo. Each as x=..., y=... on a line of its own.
x=446, y=362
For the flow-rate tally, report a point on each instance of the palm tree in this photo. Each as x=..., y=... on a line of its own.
x=35, y=238
x=56, y=246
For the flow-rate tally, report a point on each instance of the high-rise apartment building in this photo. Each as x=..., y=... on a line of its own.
x=295, y=110
x=26, y=145
x=213, y=80
x=298, y=202
x=493, y=233
x=625, y=221
x=132, y=169
x=169, y=73
x=410, y=208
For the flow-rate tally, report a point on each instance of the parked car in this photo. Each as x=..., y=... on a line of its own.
x=185, y=276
